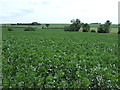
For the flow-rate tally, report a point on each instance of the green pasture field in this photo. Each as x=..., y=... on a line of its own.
x=59, y=25
x=113, y=27
x=53, y=58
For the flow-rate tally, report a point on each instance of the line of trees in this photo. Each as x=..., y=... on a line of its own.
x=105, y=28
x=95, y=23
x=86, y=27
x=33, y=23
x=77, y=24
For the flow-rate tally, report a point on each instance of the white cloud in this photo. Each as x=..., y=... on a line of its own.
x=60, y=11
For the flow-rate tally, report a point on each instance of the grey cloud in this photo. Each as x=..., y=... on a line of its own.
x=22, y=12
x=16, y=15
x=45, y=2
x=40, y=3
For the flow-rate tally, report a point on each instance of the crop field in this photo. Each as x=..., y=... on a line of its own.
x=53, y=58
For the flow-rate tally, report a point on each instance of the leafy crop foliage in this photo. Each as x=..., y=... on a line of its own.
x=54, y=58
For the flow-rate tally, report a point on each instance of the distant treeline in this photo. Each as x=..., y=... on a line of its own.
x=33, y=23
x=95, y=23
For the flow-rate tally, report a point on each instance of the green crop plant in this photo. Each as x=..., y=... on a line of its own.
x=58, y=59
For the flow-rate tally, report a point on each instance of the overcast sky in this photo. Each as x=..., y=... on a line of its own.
x=58, y=11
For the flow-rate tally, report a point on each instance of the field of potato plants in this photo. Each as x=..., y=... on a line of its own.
x=49, y=58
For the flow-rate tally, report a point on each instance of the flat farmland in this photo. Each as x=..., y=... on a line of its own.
x=52, y=58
